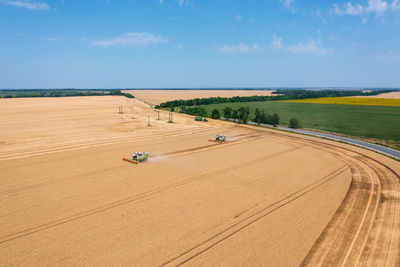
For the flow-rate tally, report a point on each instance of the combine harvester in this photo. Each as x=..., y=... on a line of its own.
x=219, y=138
x=200, y=119
x=138, y=157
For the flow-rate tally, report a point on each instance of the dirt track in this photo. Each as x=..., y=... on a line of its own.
x=264, y=197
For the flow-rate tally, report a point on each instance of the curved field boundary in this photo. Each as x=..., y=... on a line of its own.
x=365, y=228
x=372, y=238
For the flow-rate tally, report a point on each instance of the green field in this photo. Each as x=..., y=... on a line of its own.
x=372, y=122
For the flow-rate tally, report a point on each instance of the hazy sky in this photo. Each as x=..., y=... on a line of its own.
x=199, y=43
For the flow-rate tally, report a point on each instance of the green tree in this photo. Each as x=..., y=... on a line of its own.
x=243, y=111
x=235, y=114
x=267, y=118
x=215, y=114
x=227, y=111
x=294, y=123
x=257, y=116
x=275, y=119
x=263, y=116
x=244, y=118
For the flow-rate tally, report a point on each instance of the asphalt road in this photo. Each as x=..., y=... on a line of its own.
x=384, y=150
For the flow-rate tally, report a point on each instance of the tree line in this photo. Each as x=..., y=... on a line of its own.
x=302, y=94
x=241, y=115
x=278, y=95
x=60, y=93
x=195, y=111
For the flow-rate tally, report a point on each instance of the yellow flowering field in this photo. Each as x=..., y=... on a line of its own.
x=350, y=101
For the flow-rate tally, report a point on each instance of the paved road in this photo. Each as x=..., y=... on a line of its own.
x=390, y=152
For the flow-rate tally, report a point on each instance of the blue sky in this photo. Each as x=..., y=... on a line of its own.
x=199, y=43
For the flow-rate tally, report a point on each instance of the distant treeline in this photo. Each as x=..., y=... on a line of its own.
x=59, y=93
x=240, y=115
x=279, y=95
x=195, y=111
x=302, y=94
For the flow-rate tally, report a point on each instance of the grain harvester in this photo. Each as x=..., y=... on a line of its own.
x=138, y=157
x=220, y=138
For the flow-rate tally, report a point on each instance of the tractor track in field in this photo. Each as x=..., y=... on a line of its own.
x=99, y=144
x=256, y=216
x=87, y=213
x=249, y=138
x=103, y=170
x=365, y=228
x=363, y=231
x=361, y=201
x=114, y=140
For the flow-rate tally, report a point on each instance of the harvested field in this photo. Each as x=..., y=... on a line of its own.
x=41, y=125
x=156, y=97
x=263, y=197
x=391, y=95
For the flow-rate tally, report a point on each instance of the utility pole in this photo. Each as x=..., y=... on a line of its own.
x=132, y=112
x=170, y=119
x=148, y=120
x=158, y=117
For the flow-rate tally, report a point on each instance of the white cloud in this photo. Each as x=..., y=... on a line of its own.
x=348, y=9
x=288, y=4
x=238, y=49
x=161, y=1
x=395, y=5
x=312, y=47
x=132, y=39
x=389, y=56
x=28, y=5
x=53, y=39
x=319, y=15
x=20, y=34
x=377, y=6
x=238, y=17
x=374, y=6
x=277, y=42
x=180, y=2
